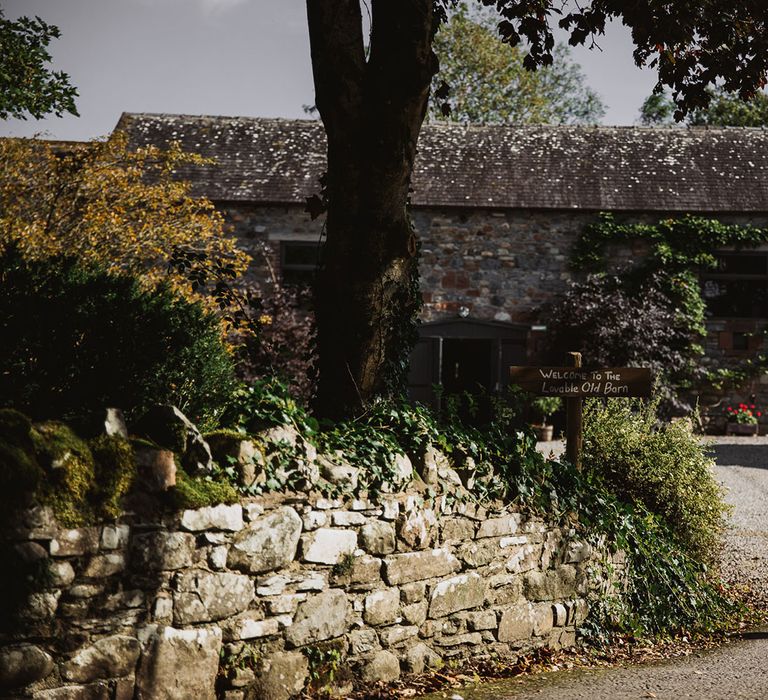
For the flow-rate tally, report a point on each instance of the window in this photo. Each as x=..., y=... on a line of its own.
x=298, y=261
x=738, y=288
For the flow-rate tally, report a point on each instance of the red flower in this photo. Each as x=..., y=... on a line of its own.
x=759, y=414
x=730, y=409
x=751, y=405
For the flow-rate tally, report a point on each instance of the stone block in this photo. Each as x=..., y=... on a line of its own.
x=285, y=604
x=420, y=658
x=201, y=596
x=320, y=617
x=268, y=543
x=62, y=573
x=382, y=607
x=314, y=519
x=522, y=558
x=93, y=691
x=480, y=553
x=542, y=616
x=397, y=634
x=577, y=552
x=104, y=565
x=272, y=585
x=413, y=592
x=456, y=530
x=380, y=666
x=365, y=569
x=162, y=551
x=498, y=527
x=554, y=584
x=115, y=536
x=23, y=664
x=362, y=641
x=390, y=508
x=418, y=527
x=377, y=537
x=110, y=657
x=504, y=589
x=281, y=676
x=455, y=640
x=516, y=624
x=415, y=613
x=74, y=542
x=482, y=620
x=327, y=546
x=346, y=518
x=337, y=471
x=417, y=566
x=249, y=625
x=220, y=517
x=179, y=664
x=457, y=593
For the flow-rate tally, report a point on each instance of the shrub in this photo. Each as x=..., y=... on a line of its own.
x=663, y=467
x=20, y=473
x=77, y=338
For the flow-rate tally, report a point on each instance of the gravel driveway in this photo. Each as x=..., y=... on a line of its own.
x=737, y=670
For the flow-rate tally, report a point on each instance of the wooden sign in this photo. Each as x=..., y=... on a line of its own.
x=578, y=382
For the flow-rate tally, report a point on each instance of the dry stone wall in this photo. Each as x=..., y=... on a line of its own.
x=239, y=601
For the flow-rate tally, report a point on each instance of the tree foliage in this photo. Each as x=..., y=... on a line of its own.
x=78, y=338
x=725, y=109
x=27, y=85
x=105, y=203
x=489, y=84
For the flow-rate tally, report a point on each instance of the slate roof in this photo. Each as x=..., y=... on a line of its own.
x=539, y=167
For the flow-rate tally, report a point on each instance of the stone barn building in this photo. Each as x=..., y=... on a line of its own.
x=497, y=210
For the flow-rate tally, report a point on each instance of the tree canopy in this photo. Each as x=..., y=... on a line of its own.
x=372, y=92
x=724, y=109
x=27, y=85
x=487, y=82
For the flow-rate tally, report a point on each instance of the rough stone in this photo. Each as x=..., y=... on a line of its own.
x=74, y=542
x=396, y=635
x=481, y=620
x=273, y=585
x=285, y=604
x=555, y=584
x=420, y=658
x=418, y=527
x=516, y=624
x=377, y=537
x=382, y=607
x=162, y=551
x=115, y=536
x=93, y=691
x=202, y=597
x=327, y=546
x=577, y=552
x=498, y=527
x=282, y=675
x=41, y=606
x=104, y=565
x=365, y=569
x=321, y=617
x=156, y=468
x=249, y=625
x=314, y=519
x=23, y=664
x=170, y=650
x=113, y=423
x=417, y=566
x=220, y=517
x=345, y=518
x=362, y=641
x=242, y=453
x=338, y=472
x=390, y=508
x=457, y=593
x=479, y=553
x=402, y=471
x=413, y=592
x=110, y=657
x=380, y=666
x=454, y=640
x=217, y=557
x=171, y=429
x=416, y=613
x=456, y=530
x=522, y=558
x=542, y=618
x=268, y=543
x=62, y=573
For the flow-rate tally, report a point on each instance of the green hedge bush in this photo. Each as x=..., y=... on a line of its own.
x=665, y=467
x=76, y=339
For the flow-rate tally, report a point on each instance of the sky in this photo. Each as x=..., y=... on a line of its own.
x=227, y=57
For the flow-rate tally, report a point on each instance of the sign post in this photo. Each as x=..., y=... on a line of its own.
x=574, y=383
x=574, y=430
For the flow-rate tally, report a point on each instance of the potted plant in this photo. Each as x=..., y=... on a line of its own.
x=544, y=407
x=742, y=419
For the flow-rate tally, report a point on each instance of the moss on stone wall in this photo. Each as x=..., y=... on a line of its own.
x=198, y=492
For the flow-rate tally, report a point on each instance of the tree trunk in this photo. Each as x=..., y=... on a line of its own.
x=367, y=292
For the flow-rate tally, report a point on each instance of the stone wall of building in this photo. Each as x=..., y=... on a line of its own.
x=251, y=600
